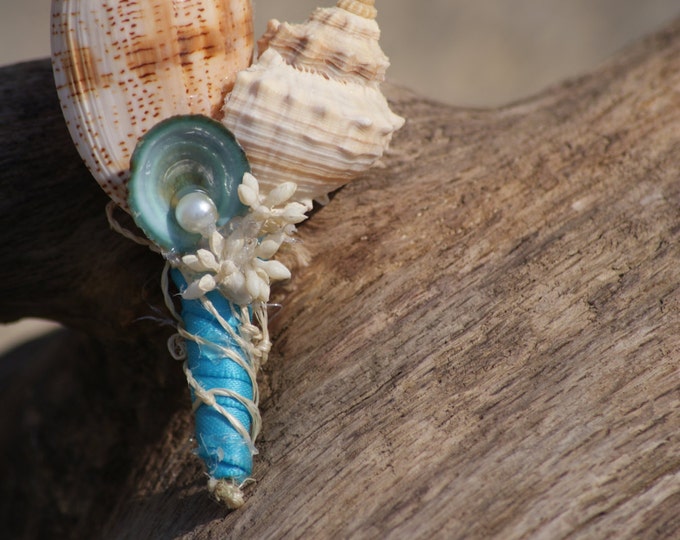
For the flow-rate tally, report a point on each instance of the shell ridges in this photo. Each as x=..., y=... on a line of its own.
x=332, y=42
x=363, y=8
x=310, y=110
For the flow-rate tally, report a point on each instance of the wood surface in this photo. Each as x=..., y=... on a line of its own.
x=485, y=343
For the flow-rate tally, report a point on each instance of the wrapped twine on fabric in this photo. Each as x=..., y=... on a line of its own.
x=222, y=335
x=221, y=362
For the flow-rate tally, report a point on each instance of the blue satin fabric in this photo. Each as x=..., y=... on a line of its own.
x=225, y=453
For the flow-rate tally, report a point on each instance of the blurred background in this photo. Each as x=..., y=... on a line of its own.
x=462, y=52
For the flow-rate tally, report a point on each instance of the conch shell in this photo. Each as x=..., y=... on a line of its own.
x=121, y=67
x=310, y=110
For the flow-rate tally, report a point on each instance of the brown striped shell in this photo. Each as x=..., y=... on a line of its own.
x=121, y=67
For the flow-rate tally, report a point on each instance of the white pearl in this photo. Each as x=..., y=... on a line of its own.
x=196, y=213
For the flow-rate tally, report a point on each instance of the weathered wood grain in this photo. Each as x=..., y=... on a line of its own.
x=486, y=342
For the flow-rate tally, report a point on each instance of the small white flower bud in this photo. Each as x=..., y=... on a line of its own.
x=274, y=269
x=193, y=263
x=247, y=195
x=208, y=260
x=280, y=194
x=294, y=212
x=269, y=246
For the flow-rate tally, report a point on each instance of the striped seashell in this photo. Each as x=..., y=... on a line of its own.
x=333, y=42
x=121, y=67
x=310, y=110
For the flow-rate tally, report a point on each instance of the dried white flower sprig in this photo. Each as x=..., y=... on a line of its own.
x=237, y=260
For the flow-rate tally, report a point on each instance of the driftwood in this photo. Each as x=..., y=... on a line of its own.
x=486, y=342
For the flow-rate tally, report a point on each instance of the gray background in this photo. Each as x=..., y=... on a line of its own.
x=462, y=52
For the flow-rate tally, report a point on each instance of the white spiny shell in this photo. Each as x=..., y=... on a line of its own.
x=122, y=66
x=310, y=110
x=301, y=127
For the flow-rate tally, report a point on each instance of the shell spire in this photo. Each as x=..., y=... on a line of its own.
x=363, y=8
x=337, y=43
x=310, y=110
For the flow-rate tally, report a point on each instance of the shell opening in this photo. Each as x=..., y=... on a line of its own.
x=185, y=173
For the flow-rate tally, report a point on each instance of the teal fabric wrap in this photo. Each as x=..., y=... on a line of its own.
x=226, y=454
